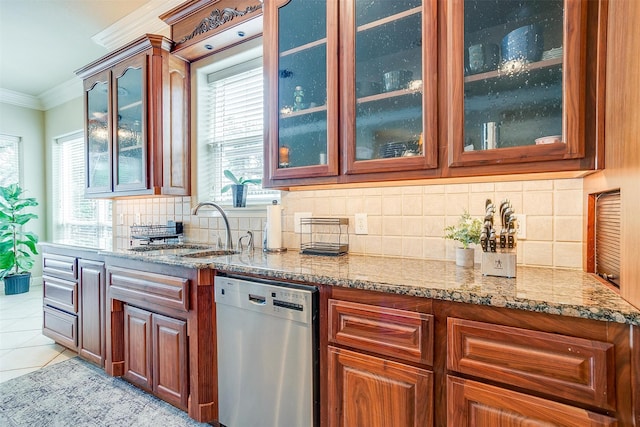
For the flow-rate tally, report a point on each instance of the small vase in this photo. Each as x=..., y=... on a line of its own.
x=239, y=192
x=465, y=257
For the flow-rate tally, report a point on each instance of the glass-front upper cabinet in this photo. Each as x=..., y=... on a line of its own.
x=98, y=154
x=130, y=156
x=517, y=78
x=302, y=95
x=388, y=93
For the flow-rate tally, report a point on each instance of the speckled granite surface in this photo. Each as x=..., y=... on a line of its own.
x=564, y=292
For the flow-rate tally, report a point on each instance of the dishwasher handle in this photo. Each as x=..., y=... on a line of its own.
x=257, y=299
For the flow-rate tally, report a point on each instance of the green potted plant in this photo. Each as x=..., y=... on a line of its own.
x=467, y=231
x=238, y=187
x=17, y=247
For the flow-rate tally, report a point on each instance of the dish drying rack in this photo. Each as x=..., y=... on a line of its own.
x=324, y=236
x=150, y=233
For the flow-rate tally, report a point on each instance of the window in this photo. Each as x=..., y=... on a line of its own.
x=10, y=160
x=76, y=220
x=231, y=133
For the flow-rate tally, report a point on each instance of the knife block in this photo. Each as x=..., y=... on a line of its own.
x=501, y=264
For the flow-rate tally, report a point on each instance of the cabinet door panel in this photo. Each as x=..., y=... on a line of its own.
x=91, y=296
x=301, y=68
x=61, y=327
x=516, y=89
x=388, y=107
x=98, y=131
x=373, y=392
x=170, y=374
x=137, y=347
x=475, y=404
x=62, y=294
x=129, y=126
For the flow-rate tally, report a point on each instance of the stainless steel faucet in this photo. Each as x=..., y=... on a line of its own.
x=228, y=242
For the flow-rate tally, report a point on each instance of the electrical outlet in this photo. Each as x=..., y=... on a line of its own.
x=138, y=218
x=362, y=227
x=521, y=226
x=297, y=216
x=121, y=219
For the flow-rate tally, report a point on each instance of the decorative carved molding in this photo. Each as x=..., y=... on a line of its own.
x=217, y=18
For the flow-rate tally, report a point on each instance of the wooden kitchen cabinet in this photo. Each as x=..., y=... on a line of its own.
x=334, y=116
x=74, y=300
x=518, y=89
x=379, y=357
x=423, y=89
x=155, y=354
x=137, y=121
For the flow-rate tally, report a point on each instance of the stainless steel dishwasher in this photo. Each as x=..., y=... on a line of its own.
x=267, y=336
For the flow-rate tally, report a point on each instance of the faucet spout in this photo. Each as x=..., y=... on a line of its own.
x=228, y=240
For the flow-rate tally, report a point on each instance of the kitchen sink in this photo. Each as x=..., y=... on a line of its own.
x=208, y=253
x=179, y=249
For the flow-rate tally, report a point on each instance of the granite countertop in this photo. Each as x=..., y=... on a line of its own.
x=546, y=290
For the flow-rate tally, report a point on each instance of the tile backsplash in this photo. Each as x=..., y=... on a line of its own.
x=403, y=221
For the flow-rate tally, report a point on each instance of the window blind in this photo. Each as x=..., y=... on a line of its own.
x=233, y=135
x=10, y=160
x=77, y=220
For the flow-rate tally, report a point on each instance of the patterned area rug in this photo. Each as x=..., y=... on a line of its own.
x=77, y=393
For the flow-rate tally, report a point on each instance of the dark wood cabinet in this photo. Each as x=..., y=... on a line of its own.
x=405, y=90
x=137, y=121
x=368, y=391
x=91, y=301
x=74, y=300
x=155, y=354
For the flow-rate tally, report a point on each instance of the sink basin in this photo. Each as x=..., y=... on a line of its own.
x=208, y=253
x=162, y=250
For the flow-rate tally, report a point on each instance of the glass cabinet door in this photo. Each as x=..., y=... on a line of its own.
x=129, y=139
x=389, y=95
x=98, y=152
x=304, y=130
x=521, y=81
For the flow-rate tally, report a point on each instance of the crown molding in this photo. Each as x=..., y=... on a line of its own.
x=20, y=99
x=62, y=93
x=144, y=20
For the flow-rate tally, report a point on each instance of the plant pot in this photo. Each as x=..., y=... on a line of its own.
x=239, y=193
x=465, y=257
x=17, y=283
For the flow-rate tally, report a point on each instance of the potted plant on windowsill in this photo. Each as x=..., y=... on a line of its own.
x=17, y=247
x=238, y=188
x=467, y=232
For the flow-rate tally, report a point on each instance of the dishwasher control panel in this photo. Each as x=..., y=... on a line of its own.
x=277, y=299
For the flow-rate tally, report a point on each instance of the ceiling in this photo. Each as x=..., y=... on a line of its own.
x=43, y=42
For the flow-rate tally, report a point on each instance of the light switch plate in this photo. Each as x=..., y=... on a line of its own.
x=297, y=216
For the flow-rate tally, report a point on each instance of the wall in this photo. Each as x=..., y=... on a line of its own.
x=402, y=221
x=28, y=124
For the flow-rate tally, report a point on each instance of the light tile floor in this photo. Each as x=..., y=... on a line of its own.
x=23, y=348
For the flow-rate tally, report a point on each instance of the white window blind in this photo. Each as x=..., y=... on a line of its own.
x=10, y=160
x=233, y=135
x=77, y=220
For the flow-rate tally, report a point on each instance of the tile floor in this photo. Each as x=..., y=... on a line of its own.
x=23, y=348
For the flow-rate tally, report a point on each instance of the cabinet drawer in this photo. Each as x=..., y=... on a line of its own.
x=151, y=288
x=60, y=266
x=572, y=368
x=60, y=327
x=404, y=334
x=59, y=293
